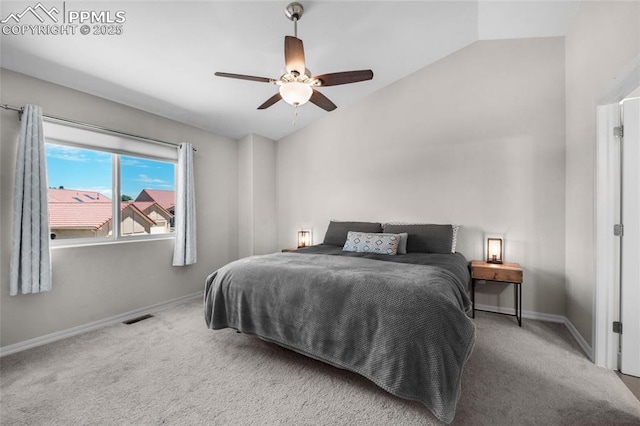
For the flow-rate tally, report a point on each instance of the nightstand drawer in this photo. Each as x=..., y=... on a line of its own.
x=502, y=272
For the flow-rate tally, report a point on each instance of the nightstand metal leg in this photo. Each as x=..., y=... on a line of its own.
x=519, y=303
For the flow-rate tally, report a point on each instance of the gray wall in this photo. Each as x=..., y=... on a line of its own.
x=602, y=41
x=92, y=283
x=475, y=139
x=257, y=196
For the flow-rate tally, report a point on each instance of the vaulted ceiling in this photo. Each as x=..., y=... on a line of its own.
x=164, y=60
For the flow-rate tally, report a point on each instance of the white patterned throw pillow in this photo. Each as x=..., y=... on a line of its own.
x=363, y=242
x=454, y=240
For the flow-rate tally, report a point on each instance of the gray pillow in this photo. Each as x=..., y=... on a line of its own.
x=424, y=238
x=337, y=231
x=402, y=247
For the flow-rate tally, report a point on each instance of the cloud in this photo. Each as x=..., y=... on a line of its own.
x=129, y=161
x=147, y=179
x=70, y=153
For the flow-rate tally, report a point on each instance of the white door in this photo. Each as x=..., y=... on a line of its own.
x=630, y=241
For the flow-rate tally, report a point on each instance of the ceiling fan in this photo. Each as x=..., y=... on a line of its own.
x=297, y=86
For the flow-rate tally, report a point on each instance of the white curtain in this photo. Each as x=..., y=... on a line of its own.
x=30, y=255
x=185, y=251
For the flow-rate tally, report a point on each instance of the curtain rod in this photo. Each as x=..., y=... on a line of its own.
x=95, y=127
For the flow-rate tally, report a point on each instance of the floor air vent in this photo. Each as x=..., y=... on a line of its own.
x=138, y=319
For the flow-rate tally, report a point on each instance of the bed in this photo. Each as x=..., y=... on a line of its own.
x=397, y=319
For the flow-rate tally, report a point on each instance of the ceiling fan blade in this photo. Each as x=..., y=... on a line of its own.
x=322, y=101
x=245, y=77
x=345, y=77
x=294, y=55
x=272, y=100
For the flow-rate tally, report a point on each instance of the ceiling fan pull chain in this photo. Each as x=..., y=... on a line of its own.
x=295, y=115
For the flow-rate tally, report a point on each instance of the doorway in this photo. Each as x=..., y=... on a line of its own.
x=618, y=249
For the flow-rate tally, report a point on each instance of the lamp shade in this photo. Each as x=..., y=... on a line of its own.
x=296, y=93
x=494, y=250
x=304, y=238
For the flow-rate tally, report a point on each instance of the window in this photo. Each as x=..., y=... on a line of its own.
x=151, y=186
x=92, y=180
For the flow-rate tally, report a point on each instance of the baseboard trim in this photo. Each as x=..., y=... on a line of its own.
x=576, y=335
x=59, y=335
x=588, y=351
x=63, y=334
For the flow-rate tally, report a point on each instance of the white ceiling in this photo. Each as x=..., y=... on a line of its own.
x=169, y=50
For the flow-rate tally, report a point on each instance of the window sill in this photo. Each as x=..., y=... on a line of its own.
x=72, y=243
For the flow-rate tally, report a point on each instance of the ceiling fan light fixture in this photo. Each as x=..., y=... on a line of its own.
x=297, y=85
x=296, y=93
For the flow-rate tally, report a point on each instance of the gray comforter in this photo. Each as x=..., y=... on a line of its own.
x=403, y=326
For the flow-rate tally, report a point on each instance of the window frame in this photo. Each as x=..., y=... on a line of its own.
x=116, y=169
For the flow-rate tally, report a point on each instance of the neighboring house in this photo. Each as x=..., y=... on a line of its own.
x=78, y=214
x=163, y=219
x=79, y=220
x=134, y=221
x=164, y=198
x=76, y=196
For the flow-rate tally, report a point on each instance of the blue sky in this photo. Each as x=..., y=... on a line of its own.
x=88, y=170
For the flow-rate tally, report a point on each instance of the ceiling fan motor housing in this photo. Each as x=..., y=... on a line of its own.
x=294, y=11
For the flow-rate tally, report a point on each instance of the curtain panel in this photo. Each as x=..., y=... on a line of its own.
x=185, y=251
x=30, y=270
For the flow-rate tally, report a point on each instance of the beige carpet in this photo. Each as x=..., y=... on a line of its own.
x=170, y=369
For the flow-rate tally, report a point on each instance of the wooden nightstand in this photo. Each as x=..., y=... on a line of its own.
x=510, y=273
x=285, y=250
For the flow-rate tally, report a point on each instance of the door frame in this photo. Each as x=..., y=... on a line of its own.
x=606, y=209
